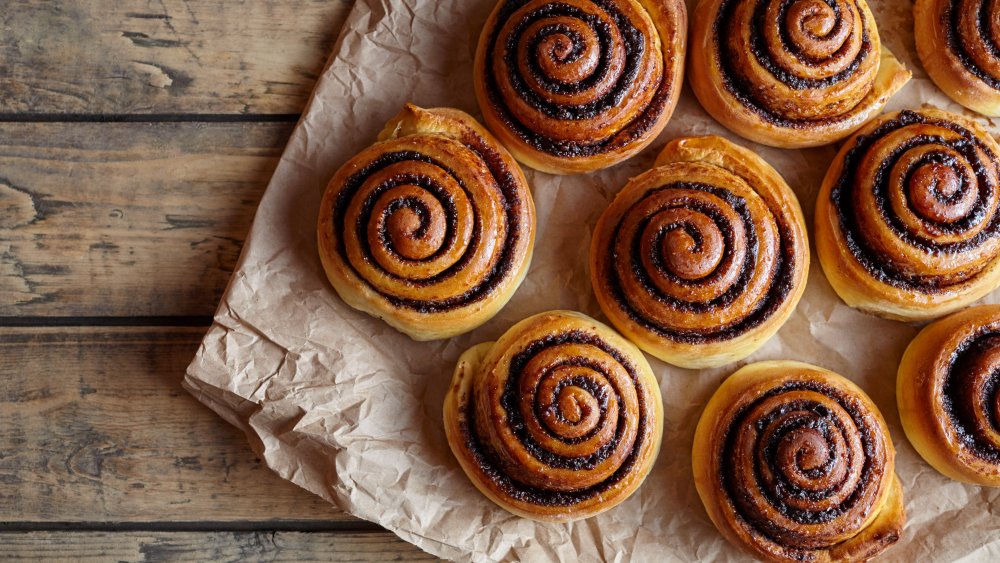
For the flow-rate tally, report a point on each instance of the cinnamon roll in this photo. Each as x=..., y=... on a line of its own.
x=948, y=389
x=578, y=85
x=795, y=463
x=700, y=260
x=791, y=73
x=907, y=219
x=958, y=42
x=559, y=420
x=431, y=228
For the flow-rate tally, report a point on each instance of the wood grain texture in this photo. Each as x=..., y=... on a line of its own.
x=96, y=428
x=209, y=546
x=164, y=56
x=127, y=219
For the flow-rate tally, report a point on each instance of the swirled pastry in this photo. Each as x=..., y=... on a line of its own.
x=431, y=228
x=559, y=420
x=578, y=85
x=958, y=42
x=795, y=463
x=948, y=390
x=791, y=73
x=907, y=219
x=701, y=259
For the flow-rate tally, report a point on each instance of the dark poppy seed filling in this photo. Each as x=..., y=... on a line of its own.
x=972, y=394
x=966, y=210
x=809, y=451
x=493, y=468
x=603, y=31
x=982, y=10
x=481, y=284
x=611, y=31
x=771, y=297
x=752, y=96
x=786, y=77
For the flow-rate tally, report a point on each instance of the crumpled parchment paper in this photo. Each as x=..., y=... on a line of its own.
x=348, y=408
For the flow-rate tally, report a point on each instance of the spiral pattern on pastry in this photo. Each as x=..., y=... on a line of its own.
x=702, y=258
x=791, y=73
x=577, y=85
x=948, y=388
x=795, y=463
x=909, y=215
x=431, y=228
x=559, y=420
x=958, y=42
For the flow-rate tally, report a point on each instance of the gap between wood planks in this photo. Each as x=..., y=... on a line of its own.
x=312, y=526
x=182, y=321
x=148, y=118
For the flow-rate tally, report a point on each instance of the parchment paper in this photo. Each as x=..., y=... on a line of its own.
x=348, y=408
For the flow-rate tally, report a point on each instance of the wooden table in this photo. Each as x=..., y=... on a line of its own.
x=136, y=138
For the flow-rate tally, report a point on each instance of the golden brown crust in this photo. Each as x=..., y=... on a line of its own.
x=948, y=390
x=808, y=78
x=431, y=228
x=908, y=217
x=584, y=423
x=722, y=255
x=585, y=84
x=957, y=44
x=795, y=463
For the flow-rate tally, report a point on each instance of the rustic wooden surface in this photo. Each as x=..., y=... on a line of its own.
x=136, y=139
x=200, y=57
x=210, y=546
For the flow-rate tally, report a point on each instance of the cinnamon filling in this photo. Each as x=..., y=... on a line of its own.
x=805, y=450
x=972, y=394
x=725, y=254
x=951, y=202
x=982, y=15
x=555, y=45
x=590, y=395
x=421, y=225
x=804, y=45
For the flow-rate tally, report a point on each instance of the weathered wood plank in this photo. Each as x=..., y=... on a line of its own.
x=164, y=56
x=94, y=427
x=127, y=219
x=209, y=546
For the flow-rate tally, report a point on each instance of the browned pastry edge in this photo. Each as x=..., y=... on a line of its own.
x=947, y=55
x=793, y=416
x=947, y=391
x=407, y=227
x=728, y=328
x=720, y=95
x=560, y=153
x=593, y=371
x=870, y=282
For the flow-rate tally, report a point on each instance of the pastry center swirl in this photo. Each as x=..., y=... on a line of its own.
x=801, y=455
x=695, y=261
x=411, y=223
x=428, y=230
x=691, y=245
x=565, y=421
x=918, y=201
x=796, y=61
x=815, y=28
x=570, y=76
x=938, y=192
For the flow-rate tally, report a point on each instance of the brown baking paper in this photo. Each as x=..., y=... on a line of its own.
x=346, y=407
